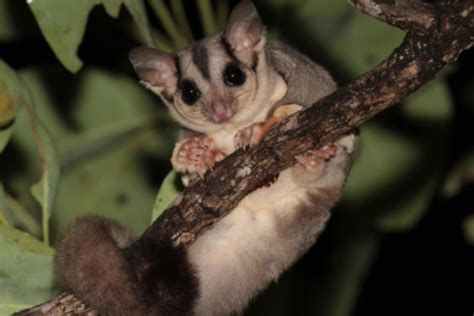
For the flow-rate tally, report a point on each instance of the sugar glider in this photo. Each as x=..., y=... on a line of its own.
x=228, y=90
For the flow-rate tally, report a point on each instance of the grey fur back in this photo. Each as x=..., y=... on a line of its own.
x=307, y=81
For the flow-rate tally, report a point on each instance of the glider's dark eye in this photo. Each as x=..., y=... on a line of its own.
x=189, y=92
x=233, y=75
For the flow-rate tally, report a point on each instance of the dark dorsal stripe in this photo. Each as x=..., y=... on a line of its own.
x=200, y=58
x=255, y=62
x=228, y=50
x=177, y=63
x=179, y=74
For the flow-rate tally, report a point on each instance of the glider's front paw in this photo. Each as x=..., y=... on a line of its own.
x=195, y=155
x=250, y=135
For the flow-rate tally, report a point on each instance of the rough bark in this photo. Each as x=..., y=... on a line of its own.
x=436, y=33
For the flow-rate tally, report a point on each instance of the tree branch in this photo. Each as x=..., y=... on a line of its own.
x=408, y=15
x=435, y=35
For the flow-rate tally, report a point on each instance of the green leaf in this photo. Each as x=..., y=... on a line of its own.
x=137, y=10
x=112, y=7
x=4, y=214
x=8, y=28
x=25, y=271
x=17, y=215
x=342, y=32
x=116, y=153
x=166, y=19
x=3, y=218
x=13, y=94
x=430, y=110
x=432, y=103
x=63, y=23
x=96, y=140
x=139, y=15
x=169, y=190
x=46, y=188
x=222, y=13
x=5, y=134
x=180, y=14
x=384, y=155
x=468, y=228
x=360, y=32
x=208, y=18
x=326, y=8
x=12, y=97
x=461, y=175
x=396, y=173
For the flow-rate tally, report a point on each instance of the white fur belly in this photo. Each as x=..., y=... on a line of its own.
x=251, y=246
